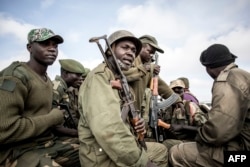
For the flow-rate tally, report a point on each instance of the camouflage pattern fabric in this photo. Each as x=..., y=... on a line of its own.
x=42, y=34
x=54, y=153
x=65, y=95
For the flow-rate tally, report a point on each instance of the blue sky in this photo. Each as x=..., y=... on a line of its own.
x=183, y=28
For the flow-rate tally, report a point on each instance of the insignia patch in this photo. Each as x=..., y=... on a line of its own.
x=7, y=85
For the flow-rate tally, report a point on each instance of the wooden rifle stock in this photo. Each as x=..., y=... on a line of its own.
x=154, y=101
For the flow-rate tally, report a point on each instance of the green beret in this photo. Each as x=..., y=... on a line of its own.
x=87, y=70
x=71, y=65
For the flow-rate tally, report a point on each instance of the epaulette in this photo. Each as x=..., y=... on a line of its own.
x=223, y=76
x=17, y=70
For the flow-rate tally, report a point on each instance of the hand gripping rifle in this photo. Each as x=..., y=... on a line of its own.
x=154, y=102
x=69, y=121
x=115, y=68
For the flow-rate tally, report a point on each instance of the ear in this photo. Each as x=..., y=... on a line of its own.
x=28, y=46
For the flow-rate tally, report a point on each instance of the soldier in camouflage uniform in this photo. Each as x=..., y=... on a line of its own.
x=65, y=91
x=26, y=109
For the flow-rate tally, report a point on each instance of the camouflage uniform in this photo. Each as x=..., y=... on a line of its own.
x=64, y=94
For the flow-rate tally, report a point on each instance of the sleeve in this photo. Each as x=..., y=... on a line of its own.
x=105, y=122
x=165, y=91
x=135, y=73
x=225, y=117
x=15, y=127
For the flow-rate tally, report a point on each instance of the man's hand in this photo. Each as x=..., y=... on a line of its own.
x=140, y=126
x=156, y=68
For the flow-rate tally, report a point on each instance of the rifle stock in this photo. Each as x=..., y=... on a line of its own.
x=123, y=86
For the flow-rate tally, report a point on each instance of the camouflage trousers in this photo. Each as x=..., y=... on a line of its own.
x=54, y=153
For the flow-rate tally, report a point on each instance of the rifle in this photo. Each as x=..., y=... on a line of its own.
x=68, y=119
x=153, y=122
x=121, y=83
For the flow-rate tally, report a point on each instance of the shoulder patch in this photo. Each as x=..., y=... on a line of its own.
x=7, y=85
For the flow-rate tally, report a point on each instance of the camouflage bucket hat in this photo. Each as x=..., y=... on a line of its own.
x=71, y=65
x=151, y=41
x=123, y=34
x=42, y=34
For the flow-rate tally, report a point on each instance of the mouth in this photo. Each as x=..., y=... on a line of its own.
x=127, y=61
x=51, y=56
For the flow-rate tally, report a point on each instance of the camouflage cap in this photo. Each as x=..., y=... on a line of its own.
x=71, y=65
x=177, y=83
x=151, y=41
x=42, y=34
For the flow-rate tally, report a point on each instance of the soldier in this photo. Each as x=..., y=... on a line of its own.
x=64, y=92
x=25, y=107
x=105, y=139
x=227, y=128
x=140, y=75
x=183, y=126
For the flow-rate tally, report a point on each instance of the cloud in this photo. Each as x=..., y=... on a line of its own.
x=12, y=27
x=184, y=32
x=183, y=29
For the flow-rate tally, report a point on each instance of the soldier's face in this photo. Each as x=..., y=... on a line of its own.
x=125, y=53
x=44, y=52
x=146, y=53
x=73, y=79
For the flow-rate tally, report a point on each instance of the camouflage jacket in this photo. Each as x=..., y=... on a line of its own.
x=63, y=94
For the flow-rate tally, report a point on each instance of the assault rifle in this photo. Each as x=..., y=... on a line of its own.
x=122, y=84
x=155, y=106
x=153, y=112
x=68, y=119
